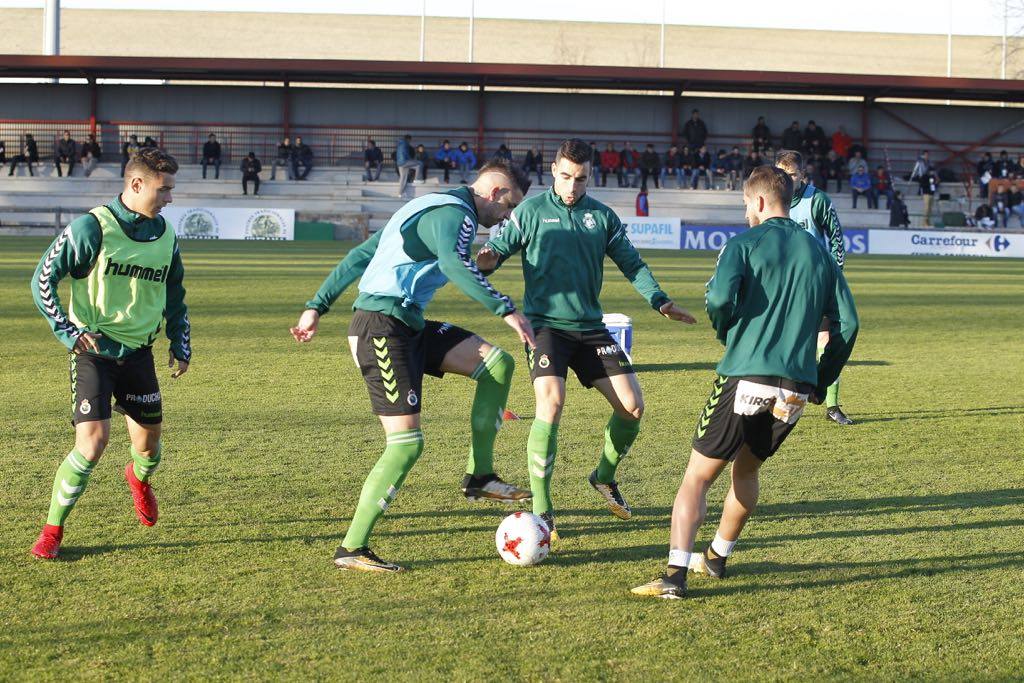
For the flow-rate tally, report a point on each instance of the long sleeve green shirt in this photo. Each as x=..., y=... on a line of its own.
x=772, y=286
x=442, y=233
x=564, y=248
x=74, y=252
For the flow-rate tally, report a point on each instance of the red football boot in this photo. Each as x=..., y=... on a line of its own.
x=48, y=544
x=142, y=496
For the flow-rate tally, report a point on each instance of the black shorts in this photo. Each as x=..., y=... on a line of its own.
x=393, y=358
x=131, y=381
x=757, y=411
x=591, y=355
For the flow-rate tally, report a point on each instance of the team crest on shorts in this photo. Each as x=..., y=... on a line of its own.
x=544, y=361
x=412, y=399
x=85, y=407
x=588, y=221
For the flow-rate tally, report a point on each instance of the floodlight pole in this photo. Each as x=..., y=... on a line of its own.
x=51, y=27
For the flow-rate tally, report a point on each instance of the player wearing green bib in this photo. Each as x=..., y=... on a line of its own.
x=565, y=235
x=126, y=279
x=813, y=210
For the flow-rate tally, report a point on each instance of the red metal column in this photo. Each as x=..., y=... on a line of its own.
x=286, y=109
x=480, y=113
x=92, y=106
x=676, y=97
x=865, y=108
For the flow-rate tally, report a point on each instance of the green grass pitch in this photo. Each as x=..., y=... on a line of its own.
x=893, y=549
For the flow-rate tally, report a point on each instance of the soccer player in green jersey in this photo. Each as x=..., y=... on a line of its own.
x=772, y=286
x=813, y=210
x=565, y=236
x=126, y=279
x=425, y=244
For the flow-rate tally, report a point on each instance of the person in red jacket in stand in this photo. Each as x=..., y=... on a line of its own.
x=841, y=142
x=610, y=162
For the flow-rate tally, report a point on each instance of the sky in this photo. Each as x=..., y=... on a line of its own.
x=961, y=17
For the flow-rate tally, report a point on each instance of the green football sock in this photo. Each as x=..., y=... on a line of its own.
x=540, y=454
x=68, y=486
x=143, y=466
x=619, y=435
x=382, y=484
x=832, y=393
x=493, y=380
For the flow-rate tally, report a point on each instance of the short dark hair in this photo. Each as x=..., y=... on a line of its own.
x=771, y=182
x=575, y=150
x=150, y=161
x=511, y=171
x=789, y=160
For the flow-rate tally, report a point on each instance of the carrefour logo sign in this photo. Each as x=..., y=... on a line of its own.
x=997, y=243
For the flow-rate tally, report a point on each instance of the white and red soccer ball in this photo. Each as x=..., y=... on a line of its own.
x=523, y=539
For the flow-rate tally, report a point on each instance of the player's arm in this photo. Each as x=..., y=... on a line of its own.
x=842, y=333
x=436, y=229
x=179, y=329
x=348, y=270
x=824, y=215
x=73, y=252
x=723, y=289
x=509, y=240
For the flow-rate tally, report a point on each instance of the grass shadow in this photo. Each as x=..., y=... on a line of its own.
x=911, y=415
x=664, y=367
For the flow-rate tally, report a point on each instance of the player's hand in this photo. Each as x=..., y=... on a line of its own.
x=307, y=326
x=486, y=259
x=518, y=322
x=673, y=312
x=87, y=341
x=182, y=365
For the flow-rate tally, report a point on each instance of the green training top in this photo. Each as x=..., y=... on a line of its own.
x=430, y=235
x=771, y=288
x=75, y=252
x=563, y=261
x=814, y=211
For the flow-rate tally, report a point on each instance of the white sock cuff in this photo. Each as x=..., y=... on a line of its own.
x=679, y=558
x=721, y=546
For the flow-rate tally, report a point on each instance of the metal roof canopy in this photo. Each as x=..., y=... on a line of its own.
x=512, y=75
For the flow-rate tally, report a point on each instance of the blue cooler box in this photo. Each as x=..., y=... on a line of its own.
x=620, y=327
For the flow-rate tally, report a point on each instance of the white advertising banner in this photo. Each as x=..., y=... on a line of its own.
x=942, y=243
x=653, y=232
x=218, y=223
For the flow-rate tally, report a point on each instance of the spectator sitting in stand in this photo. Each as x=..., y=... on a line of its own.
x=150, y=142
x=466, y=160
x=650, y=166
x=833, y=168
x=815, y=142
x=792, y=138
x=1018, y=167
x=695, y=132
x=211, y=155
x=1003, y=167
x=734, y=161
x=423, y=159
x=720, y=169
x=630, y=160
x=899, y=217
x=285, y=157
x=1015, y=202
x=251, y=168
x=860, y=184
x=643, y=207
x=444, y=159
x=857, y=164
x=503, y=153
x=883, y=187
x=29, y=155
x=685, y=166
x=534, y=163
x=610, y=163
x=762, y=137
x=3, y=152
x=90, y=155
x=985, y=216
x=303, y=157
x=841, y=142
x=701, y=168
x=129, y=149
x=750, y=162
x=670, y=166
x=65, y=152
x=595, y=163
